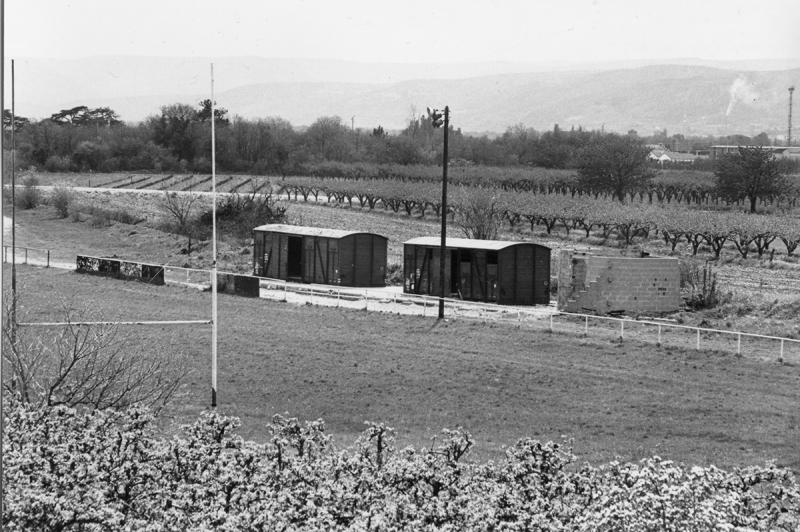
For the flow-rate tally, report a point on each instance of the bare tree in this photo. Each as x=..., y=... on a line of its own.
x=478, y=212
x=181, y=209
x=96, y=365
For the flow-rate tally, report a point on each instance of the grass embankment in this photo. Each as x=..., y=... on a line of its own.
x=500, y=381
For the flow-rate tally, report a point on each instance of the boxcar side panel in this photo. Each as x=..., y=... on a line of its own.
x=271, y=257
x=525, y=271
x=478, y=289
x=281, y=245
x=541, y=275
x=364, y=256
x=418, y=268
x=435, y=262
x=318, y=257
x=347, y=250
x=507, y=274
x=379, y=256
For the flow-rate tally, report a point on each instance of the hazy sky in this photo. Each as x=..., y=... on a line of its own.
x=408, y=31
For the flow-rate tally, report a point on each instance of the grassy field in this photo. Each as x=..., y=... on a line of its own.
x=500, y=381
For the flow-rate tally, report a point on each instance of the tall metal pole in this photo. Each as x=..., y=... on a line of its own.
x=789, y=136
x=444, y=215
x=13, y=216
x=213, y=252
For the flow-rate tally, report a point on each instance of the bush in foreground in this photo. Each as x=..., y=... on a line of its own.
x=106, y=470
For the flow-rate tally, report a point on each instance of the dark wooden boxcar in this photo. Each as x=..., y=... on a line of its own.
x=509, y=273
x=324, y=256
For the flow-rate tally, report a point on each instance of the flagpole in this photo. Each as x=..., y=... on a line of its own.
x=213, y=252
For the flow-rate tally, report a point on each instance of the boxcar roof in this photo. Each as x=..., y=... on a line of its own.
x=311, y=231
x=465, y=243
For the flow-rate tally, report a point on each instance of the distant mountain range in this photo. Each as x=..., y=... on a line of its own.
x=687, y=96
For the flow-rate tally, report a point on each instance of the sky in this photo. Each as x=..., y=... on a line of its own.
x=407, y=31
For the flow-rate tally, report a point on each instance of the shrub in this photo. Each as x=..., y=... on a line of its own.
x=103, y=217
x=56, y=163
x=394, y=275
x=29, y=196
x=238, y=214
x=699, y=285
x=75, y=213
x=99, y=219
x=112, y=164
x=61, y=197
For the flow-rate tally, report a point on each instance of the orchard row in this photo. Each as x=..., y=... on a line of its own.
x=679, y=186
x=749, y=233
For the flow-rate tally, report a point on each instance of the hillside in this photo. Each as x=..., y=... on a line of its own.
x=483, y=97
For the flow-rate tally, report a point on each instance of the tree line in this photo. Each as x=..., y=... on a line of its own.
x=178, y=139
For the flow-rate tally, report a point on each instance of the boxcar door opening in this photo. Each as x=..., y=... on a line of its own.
x=294, y=258
x=491, y=275
x=454, y=274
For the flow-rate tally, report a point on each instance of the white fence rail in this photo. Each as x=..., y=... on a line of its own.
x=616, y=328
x=381, y=300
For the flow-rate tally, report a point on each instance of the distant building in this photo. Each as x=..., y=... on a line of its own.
x=662, y=155
x=716, y=151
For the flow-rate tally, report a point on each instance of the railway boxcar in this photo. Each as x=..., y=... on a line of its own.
x=317, y=255
x=510, y=273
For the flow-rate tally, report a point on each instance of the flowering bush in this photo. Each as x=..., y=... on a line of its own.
x=68, y=469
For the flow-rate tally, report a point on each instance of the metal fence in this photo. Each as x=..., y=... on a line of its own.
x=38, y=255
x=665, y=333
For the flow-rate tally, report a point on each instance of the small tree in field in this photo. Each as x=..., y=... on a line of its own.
x=181, y=209
x=749, y=174
x=614, y=164
x=478, y=212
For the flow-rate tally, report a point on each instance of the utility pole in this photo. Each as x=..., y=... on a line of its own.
x=789, y=136
x=436, y=121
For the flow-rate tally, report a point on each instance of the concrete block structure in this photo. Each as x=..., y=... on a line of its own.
x=588, y=282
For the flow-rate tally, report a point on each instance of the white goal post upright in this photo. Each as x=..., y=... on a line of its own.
x=213, y=252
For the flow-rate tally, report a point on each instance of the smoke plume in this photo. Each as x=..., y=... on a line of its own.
x=741, y=91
